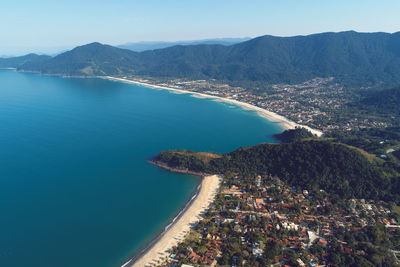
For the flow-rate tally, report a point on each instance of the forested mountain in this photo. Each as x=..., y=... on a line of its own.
x=90, y=59
x=143, y=46
x=14, y=62
x=315, y=164
x=351, y=57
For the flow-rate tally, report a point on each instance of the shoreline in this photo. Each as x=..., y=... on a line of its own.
x=269, y=115
x=175, y=232
x=284, y=122
x=149, y=245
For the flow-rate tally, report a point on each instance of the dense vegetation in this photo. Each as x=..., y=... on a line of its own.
x=291, y=135
x=187, y=159
x=313, y=164
x=351, y=57
x=385, y=102
x=87, y=60
x=397, y=154
x=372, y=140
x=15, y=62
x=372, y=104
x=336, y=168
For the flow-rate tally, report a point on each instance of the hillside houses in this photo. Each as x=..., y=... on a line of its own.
x=272, y=224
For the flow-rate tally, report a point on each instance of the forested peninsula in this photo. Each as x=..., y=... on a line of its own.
x=337, y=168
x=306, y=200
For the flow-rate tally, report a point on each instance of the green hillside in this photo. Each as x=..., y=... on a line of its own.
x=386, y=101
x=336, y=168
x=87, y=60
x=15, y=62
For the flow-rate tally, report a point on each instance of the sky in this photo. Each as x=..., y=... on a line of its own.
x=50, y=26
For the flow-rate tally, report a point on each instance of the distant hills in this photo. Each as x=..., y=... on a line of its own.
x=14, y=62
x=143, y=46
x=351, y=57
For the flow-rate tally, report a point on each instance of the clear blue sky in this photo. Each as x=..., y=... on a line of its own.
x=50, y=23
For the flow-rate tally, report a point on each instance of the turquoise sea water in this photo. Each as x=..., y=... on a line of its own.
x=75, y=187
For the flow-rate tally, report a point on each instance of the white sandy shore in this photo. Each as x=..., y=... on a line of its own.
x=180, y=228
x=284, y=122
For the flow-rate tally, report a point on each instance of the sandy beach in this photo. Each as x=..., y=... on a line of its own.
x=284, y=122
x=181, y=227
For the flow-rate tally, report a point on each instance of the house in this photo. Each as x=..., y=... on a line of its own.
x=322, y=242
x=260, y=201
x=194, y=257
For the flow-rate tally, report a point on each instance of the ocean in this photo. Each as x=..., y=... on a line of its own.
x=75, y=186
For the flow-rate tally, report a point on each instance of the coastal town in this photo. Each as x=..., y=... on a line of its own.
x=317, y=103
x=261, y=221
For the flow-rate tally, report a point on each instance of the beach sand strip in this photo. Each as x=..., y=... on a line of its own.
x=181, y=227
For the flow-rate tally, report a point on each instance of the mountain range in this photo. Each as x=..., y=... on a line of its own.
x=351, y=57
x=143, y=46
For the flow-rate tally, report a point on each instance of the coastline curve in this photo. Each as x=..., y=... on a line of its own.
x=269, y=115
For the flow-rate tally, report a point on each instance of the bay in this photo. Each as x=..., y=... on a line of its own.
x=75, y=186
